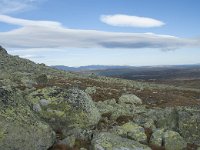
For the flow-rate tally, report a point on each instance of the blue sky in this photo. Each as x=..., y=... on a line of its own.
x=107, y=32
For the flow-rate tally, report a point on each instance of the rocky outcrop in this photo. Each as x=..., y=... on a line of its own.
x=108, y=141
x=184, y=120
x=65, y=109
x=20, y=128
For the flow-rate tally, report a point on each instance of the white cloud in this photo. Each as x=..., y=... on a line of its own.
x=49, y=34
x=12, y=6
x=28, y=23
x=130, y=21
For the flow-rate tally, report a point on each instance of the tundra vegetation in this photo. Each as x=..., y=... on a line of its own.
x=42, y=108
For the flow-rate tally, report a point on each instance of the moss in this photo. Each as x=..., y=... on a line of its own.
x=2, y=133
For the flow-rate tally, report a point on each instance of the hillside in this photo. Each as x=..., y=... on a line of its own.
x=181, y=75
x=44, y=108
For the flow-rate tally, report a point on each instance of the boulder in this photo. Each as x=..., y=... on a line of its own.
x=174, y=141
x=189, y=124
x=90, y=90
x=109, y=141
x=185, y=120
x=65, y=109
x=157, y=137
x=132, y=131
x=20, y=128
x=116, y=110
x=130, y=99
x=166, y=118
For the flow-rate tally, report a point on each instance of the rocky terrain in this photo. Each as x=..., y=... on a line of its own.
x=42, y=108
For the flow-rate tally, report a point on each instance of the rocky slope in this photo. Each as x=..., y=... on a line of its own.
x=42, y=108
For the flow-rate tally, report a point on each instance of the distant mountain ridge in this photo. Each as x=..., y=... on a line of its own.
x=88, y=68
x=115, y=67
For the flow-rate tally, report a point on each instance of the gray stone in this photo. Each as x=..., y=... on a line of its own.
x=108, y=141
x=90, y=90
x=157, y=137
x=189, y=124
x=174, y=141
x=37, y=107
x=130, y=99
x=71, y=108
x=44, y=102
x=20, y=128
x=132, y=131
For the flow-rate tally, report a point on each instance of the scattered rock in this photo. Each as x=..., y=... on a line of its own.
x=174, y=141
x=105, y=141
x=37, y=108
x=130, y=99
x=132, y=131
x=90, y=90
x=157, y=137
x=44, y=102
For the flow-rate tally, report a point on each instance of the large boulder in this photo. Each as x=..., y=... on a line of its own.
x=20, y=128
x=108, y=141
x=132, y=131
x=166, y=118
x=185, y=120
x=169, y=139
x=174, y=141
x=65, y=109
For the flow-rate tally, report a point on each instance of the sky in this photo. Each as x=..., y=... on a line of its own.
x=102, y=32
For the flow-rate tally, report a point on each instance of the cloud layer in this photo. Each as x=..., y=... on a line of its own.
x=130, y=21
x=49, y=34
x=11, y=6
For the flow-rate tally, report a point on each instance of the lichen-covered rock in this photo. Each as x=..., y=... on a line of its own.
x=78, y=133
x=131, y=131
x=157, y=137
x=68, y=109
x=108, y=141
x=130, y=99
x=189, y=124
x=20, y=128
x=90, y=90
x=185, y=120
x=164, y=118
x=150, y=124
x=174, y=141
x=116, y=110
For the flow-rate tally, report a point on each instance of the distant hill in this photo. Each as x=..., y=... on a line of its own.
x=88, y=68
x=178, y=75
